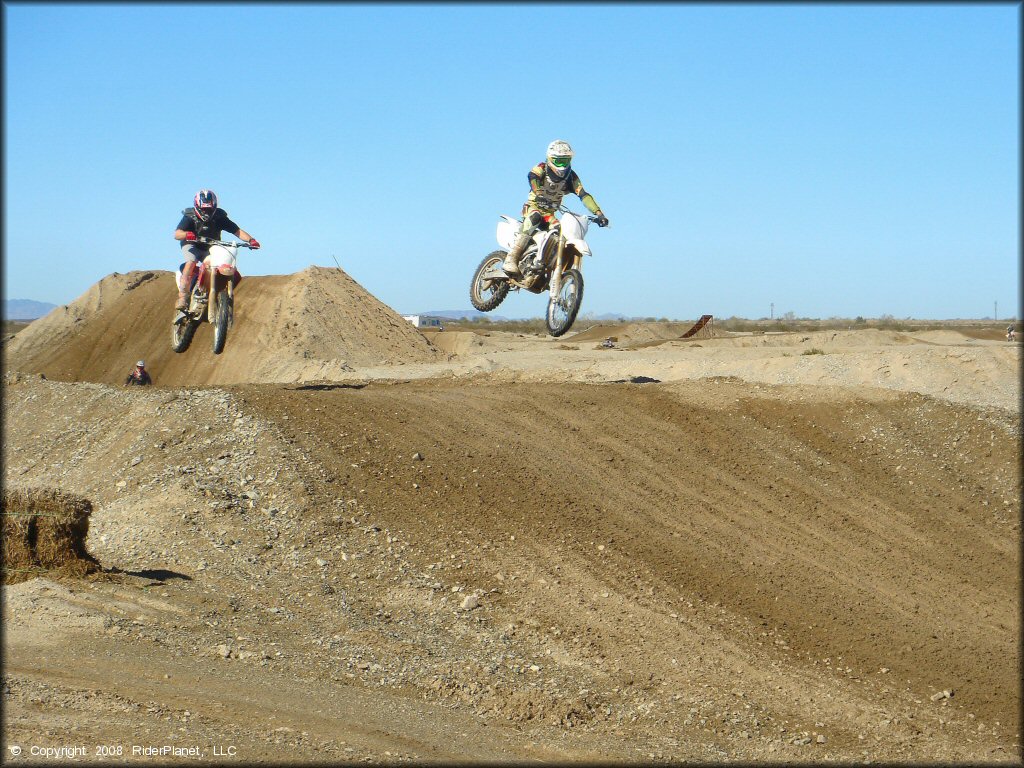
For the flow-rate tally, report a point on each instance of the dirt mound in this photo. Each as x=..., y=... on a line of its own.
x=454, y=342
x=45, y=529
x=947, y=336
x=869, y=337
x=315, y=324
x=633, y=333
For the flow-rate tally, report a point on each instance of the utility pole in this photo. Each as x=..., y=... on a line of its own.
x=995, y=311
x=772, y=315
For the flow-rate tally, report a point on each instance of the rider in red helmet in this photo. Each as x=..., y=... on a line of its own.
x=139, y=375
x=203, y=219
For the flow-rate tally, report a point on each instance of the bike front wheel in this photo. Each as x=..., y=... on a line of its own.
x=564, y=306
x=222, y=314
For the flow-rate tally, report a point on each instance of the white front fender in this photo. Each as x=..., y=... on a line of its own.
x=579, y=245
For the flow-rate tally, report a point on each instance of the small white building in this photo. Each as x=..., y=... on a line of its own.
x=425, y=321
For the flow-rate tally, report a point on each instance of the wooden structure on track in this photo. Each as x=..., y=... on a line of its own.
x=705, y=327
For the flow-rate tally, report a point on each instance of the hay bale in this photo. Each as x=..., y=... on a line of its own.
x=45, y=529
x=19, y=531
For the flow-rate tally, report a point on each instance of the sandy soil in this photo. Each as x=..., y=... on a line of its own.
x=343, y=540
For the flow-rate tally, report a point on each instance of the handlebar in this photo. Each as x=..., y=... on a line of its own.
x=564, y=209
x=209, y=241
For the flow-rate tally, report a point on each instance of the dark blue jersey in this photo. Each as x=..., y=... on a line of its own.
x=217, y=223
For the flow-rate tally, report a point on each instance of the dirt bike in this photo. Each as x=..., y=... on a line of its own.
x=551, y=262
x=211, y=296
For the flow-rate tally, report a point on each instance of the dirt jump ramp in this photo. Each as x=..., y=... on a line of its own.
x=699, y=326
x=315, y=324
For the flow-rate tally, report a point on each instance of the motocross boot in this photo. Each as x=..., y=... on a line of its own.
x=511, y=263
x=186, y=281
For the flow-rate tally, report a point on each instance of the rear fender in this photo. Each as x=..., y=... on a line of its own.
x=508, y=230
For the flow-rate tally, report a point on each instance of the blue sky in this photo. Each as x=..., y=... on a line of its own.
x=830, y=160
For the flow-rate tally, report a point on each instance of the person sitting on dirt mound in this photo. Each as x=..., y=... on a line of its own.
x=550, y=181
x=203, y=219
x=139, y=375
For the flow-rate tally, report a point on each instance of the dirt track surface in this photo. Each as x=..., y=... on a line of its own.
x=519, y=548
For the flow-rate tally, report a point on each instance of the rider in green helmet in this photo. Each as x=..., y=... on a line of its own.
x=549, y=181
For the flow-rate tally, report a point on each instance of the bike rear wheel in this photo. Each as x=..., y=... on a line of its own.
x=563, y=307
x=487, y=293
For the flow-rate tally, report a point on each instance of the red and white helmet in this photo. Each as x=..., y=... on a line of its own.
x=205, y=204
x=559, y=157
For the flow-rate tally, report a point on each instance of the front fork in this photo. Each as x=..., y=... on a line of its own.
x=560, y=265
x=211, y=306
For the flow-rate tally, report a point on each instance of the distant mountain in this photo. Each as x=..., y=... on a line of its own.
x=25, y=309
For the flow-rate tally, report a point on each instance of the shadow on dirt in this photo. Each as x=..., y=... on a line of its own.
x=327, y=387
x=155, y=574
x=636, y=380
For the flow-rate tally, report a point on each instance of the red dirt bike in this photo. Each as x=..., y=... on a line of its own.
x=211, y=296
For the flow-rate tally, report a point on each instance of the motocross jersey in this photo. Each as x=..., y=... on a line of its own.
x=211, y=229
x=546, y=191
x=141, y=378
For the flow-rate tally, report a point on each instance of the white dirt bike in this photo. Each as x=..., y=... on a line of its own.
x=211, y=297
x=551, y=261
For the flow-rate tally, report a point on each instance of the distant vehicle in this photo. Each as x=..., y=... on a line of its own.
x=424, y=321
x=550, y=262
x=211, y=297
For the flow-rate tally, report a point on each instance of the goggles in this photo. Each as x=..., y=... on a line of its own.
x=560, y=161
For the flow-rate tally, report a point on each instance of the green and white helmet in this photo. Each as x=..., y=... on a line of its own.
x=559, y=157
